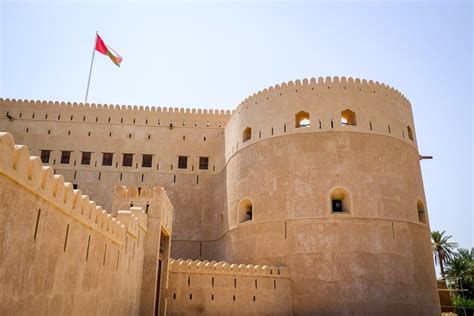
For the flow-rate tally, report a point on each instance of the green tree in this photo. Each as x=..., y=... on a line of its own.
x=442, y=249
x=461, y=269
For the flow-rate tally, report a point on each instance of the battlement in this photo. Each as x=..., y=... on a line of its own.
x=153, y=200
x=222, y=267
x=17, y=164
x=99, y=106
x=328, y=82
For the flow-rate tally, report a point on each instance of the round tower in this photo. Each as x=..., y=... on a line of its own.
x=323, y=176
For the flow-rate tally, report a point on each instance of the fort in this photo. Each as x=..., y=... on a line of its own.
x=307, y=199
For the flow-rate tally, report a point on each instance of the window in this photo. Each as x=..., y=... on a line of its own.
x=183, y=162
x=45, y=154
x=107, y=159
x=247, y=134
x=348, y=118
x=245, y=210
x=127, y=160
x=410, y=133
x=421, y=211
x=302, y=119
x=340, y=201
x=65, y=157
x=86, y=158
x=147, y=161
x=203, y=163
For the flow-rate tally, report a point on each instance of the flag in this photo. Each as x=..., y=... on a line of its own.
x=106, y=50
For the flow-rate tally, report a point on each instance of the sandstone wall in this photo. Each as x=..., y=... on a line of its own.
x=220, y=288
x=61, y=253
x=373, y=258
x=137, y=130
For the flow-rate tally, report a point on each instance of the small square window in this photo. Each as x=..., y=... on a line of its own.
x=203, y=163
x=337, y=205
x=127, y=160
x=147, y=161
x=65, y=157
x=45, y=154
x=107, y=159
x=183, y=162
x=86, y=158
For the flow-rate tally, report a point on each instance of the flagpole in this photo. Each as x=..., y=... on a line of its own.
x=90, y=71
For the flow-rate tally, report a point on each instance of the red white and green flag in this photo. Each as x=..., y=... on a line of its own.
x=108, y=51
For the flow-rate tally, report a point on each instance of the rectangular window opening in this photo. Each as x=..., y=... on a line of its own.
x=183, y=162
x=45, y=155
x=127, y=160
x=204, y=163
x=147, y=161
x=107, y=159
x=65, y=157
x=86, y=158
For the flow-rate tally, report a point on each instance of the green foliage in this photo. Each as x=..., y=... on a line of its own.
x=463, y=304
x=442, y=248
x=460, y=269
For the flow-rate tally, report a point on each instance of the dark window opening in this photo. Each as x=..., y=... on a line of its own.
x=247, y=134
x=410, y=133
x=203, y=163
x=45, y=155
x=337, y=205
x=147, y=161
x=86, y=158
x=245, y=210
x=340, y=201
x=65, y=157
x=127, y=160
x=183, y=162
x=107, y=159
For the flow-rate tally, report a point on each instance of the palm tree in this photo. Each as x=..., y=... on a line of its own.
x=442, y=249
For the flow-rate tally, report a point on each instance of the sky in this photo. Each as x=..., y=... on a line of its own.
x=213, y=55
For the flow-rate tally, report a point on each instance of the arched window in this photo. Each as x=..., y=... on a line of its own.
x=302, y=119
x=340, y=201
x=247, y=134
x=245, y=210
x=410, y=132
x=421, y=211
x=348, y=117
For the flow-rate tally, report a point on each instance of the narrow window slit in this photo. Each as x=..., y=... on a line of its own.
x=37, y=223
x=88, y=245
x=65, y=239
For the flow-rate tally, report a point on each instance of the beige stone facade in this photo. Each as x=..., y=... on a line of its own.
x=320, y=177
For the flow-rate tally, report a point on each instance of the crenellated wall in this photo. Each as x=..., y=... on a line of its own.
x=61, y=253
x=218, y=288
x=373, y=257
x=276, y=166
x=271, y=112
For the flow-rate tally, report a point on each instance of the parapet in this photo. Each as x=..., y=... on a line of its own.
x=363, y=84
x=28, y=171
x=153, y=200
x=222, y=267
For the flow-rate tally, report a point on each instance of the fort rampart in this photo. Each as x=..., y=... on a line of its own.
x=60, y=252
x=217, y=288
x=321, y=176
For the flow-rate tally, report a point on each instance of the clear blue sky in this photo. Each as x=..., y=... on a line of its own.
x=214, y=55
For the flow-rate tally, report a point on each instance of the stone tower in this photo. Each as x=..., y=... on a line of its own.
x=321, y=176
